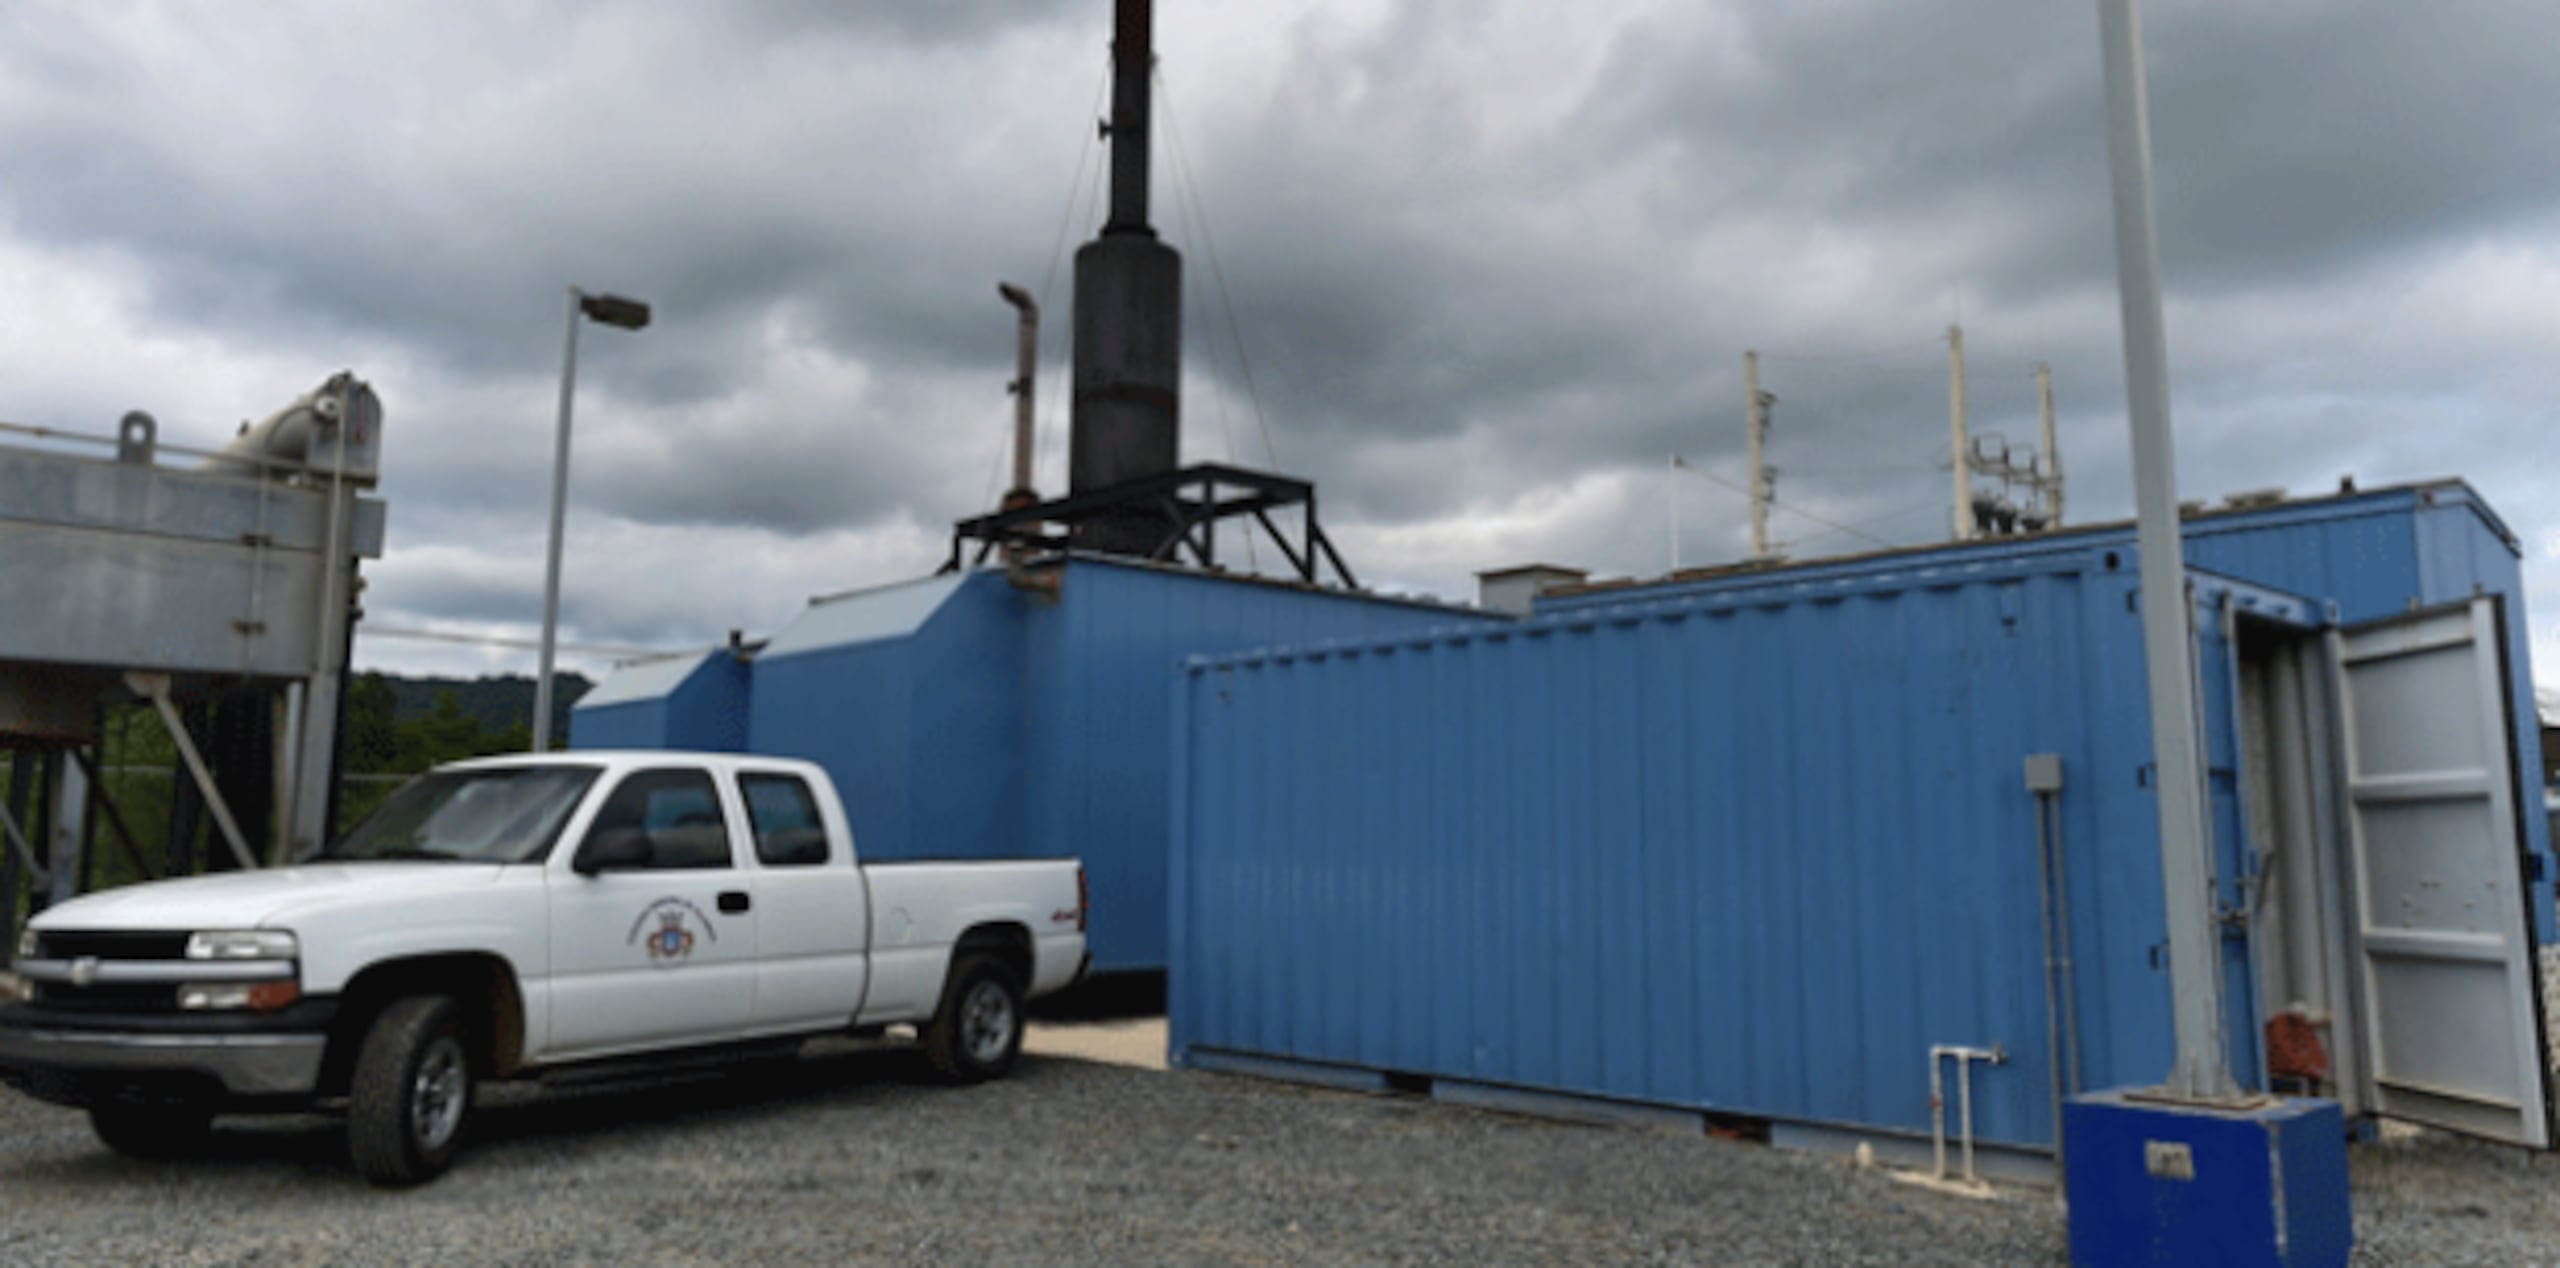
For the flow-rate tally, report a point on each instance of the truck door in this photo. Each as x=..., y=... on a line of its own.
x=813, y=911
x=660, y=954
x=2437, y=927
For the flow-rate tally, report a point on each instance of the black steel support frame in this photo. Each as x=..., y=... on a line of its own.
x=1189, y=502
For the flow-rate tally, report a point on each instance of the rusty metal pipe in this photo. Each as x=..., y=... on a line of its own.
x=1025, y=358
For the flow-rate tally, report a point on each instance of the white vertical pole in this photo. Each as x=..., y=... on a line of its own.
x=1961, y=463
x=1671, y=507
x=1757, y=420
x=559, y=511
x=2195, y=968
x=70, y=811
x=2052, y=447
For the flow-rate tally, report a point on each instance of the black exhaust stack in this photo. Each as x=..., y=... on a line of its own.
x=1127, y=492
x=1126, y=415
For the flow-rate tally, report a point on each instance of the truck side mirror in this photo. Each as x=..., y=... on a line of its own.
x=611, y=849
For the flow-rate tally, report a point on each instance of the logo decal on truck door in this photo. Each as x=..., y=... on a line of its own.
x=670, y=941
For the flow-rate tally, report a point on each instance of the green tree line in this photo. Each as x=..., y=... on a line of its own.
x=138, y=766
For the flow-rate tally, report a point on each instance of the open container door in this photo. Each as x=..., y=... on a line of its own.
x=2438, y=930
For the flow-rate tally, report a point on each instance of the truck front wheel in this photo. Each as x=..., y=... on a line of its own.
x=977, y=1032
x=411, y=1095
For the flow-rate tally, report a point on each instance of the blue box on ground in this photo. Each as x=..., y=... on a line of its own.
x=2153, y=1182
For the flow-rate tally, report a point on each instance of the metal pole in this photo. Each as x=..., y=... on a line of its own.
x=559, y=511
x=2052, y=447
x=1671, y=507
x=1961, y=463
x=1026, y=356
x=2168, y=655
x=1132, y=61
x=1758, y=421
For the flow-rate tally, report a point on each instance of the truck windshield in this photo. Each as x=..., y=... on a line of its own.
x=499, y=814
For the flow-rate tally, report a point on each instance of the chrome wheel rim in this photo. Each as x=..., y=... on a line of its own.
x=438, y=1093
x=986, y=1022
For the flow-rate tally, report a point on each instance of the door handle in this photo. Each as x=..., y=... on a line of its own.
x=734, y=901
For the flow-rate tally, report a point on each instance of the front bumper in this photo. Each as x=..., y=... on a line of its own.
x=86, y=1061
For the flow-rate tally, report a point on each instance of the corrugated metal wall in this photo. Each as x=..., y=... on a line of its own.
x=911, y=697
x=2374, y=554
x=1099, y=706
x=1753, y=851
x=965, y=718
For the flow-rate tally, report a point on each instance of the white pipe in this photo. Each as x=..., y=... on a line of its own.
x=1964, y=1058
x=1961, y=461
x=2052, y=448
x=1671, y=508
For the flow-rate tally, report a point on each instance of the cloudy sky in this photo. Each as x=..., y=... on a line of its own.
x=1490, y=264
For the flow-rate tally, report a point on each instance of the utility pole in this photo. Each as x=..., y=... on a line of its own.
x=1671, y=505
x=2052, y=481
x=2186, y=871
x=1763, y=484
x=1960, y=459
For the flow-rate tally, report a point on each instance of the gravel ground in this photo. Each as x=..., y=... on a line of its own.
x=855, y=1154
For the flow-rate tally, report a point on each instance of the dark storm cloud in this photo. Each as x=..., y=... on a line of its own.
x=1492, y=263
x=700, y=168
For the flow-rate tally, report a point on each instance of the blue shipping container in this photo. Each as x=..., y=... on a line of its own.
x=1756, y=845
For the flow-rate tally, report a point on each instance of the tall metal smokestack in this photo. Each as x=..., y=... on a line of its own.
x=1125, y=419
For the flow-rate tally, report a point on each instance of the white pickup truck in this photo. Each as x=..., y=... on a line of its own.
x=524, y=916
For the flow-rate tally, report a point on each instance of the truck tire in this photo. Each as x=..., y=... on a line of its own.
x=410, y=1098
x=977, y=1032
x=151, y=1131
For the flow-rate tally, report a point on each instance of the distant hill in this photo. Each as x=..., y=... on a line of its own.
x=494, y=703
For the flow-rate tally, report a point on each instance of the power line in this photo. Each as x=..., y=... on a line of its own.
x=368, y=630
x=1873, y=354
x=1049, y=279
x=1187, y=188
x=1682, y=464
x=1877, y=521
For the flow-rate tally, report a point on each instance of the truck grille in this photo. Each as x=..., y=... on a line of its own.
x=110, y=946
x=73, y=944
x=120, y=998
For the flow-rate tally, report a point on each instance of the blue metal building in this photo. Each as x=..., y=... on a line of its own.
x=697, y=700
x=1756, y=843
x=983, y=715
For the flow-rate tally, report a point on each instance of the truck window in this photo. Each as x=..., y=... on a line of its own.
x=676, y=811
x=784, y=818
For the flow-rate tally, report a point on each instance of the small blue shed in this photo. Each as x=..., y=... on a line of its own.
x=1763, y=843
x=692, y=700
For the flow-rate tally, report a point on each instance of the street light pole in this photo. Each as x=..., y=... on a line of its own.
x=2195, y=966
x=611, y=310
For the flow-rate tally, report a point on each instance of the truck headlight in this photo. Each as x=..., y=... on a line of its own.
x=258, y=996
x=26, y=944
x=242, y=944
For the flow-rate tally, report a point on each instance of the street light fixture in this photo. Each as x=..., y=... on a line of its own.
x=605, y=310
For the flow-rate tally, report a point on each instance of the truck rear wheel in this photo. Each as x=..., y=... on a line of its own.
x=977, y=1032
x=410, y=1098
x=151, y=1131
